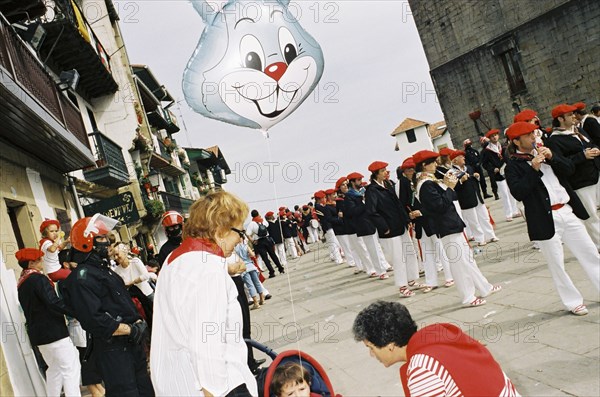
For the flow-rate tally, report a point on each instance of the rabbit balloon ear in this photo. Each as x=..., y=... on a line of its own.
x=284, y=2
x=208, y=8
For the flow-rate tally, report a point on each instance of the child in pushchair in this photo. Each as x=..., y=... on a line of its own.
x=292, y=369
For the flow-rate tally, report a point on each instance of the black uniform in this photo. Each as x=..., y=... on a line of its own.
x=441, y=212
x=327, y=216
x=356, y=214
x=167, y=248
x=44, y=310
x=275, y=231
x=384, y=210
x=468, y=192
x=347, y=226
x=473, y=159
x=586, y=171
x=491, y=160
x=101, y=302
x=265, y=248
x=592, y=127
x=526, y=185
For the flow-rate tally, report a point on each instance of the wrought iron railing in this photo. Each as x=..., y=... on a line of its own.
x=24, y=68
x=108, y=153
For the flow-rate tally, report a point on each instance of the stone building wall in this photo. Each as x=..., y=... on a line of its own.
x=556, y=44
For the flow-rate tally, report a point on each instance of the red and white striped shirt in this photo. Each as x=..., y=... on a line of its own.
x=427, y=377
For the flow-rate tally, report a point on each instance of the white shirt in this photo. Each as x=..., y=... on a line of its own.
x=197, y=329
x=252, y=230
x=556, y=191
x=135, y=269
x=51, y=263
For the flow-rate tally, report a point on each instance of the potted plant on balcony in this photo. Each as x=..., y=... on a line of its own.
x=155, y=209
x=140, y=142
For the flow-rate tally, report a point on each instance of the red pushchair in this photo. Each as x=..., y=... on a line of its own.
x=320, y=383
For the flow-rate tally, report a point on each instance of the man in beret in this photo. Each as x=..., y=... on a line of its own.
x=587, y=123
x=473, y=159
x=493, y=161
x=584, y=157
x=44, y=312
x=328, y=217
x=537, y=177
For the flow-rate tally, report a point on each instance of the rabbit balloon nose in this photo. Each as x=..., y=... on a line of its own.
x=276, y=70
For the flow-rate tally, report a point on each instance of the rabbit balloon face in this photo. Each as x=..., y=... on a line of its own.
x=254, y=64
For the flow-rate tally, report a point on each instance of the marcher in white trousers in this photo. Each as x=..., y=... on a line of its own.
x=280, y=252
x=334, y=247
x=478, y=220
x=313, y=234
x=380, y=256
x=400, y=253
x=589, y=198
x=372, y=244
x=467, y=276
x=64, y=369
x=361, y=254
x=570, y=230
x=508, y=201
x=291, y=247
x=348, y=252
x=431, y=249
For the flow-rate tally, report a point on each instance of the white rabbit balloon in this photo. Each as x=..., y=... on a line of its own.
x=254, y=64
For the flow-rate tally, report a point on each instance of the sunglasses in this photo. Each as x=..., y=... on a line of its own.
x=240, y=232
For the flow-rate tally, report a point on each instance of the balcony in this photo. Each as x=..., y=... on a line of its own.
x=163, y=119
x=34, y=115
x=210, y=160
x=173, y=202
x=71, y=44
x=163, y=160
x=110, y=170
x=18, y=10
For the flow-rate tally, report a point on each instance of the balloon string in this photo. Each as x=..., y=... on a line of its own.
x=287, y=272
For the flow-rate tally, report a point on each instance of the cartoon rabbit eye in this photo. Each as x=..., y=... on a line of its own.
x=253, y=56
x=289, y=49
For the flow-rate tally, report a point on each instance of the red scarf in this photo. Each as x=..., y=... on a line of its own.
x=195, y=244
x=257, y=219
x=26, y=273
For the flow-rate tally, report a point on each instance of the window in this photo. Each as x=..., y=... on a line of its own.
x=410, y=135
x=513, y=72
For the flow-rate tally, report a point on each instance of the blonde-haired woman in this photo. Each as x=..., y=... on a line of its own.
x=197, y=344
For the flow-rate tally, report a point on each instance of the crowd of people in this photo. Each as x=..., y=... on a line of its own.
x=95, y=311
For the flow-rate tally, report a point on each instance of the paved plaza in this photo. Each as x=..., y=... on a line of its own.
x=544, y=349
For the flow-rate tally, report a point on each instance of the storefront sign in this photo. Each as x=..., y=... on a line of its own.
x=121, y=207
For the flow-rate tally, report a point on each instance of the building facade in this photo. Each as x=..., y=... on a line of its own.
x=489, y=60
x=415, y=135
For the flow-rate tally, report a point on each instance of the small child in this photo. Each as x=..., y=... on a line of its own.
x=250, y=276
x=291, y=380
x=51, y=244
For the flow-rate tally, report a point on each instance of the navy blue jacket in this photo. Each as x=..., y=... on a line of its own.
x=385, y=211
x=441, y=212
x=356, y=215
x=468, y=192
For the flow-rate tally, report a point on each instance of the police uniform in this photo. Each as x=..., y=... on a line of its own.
x=101, y=302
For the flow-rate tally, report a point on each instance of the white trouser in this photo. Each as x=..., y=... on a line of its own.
x=280, y=252
x=428, y=251
x=348, y=253
x=467, y=276
x=380, y=256
x=64, y=369
x=410, y=257
x=334, y=246
x=588, y=196
x=291, y=247
x=459, y=212
x=371, y=243
x=508, y=201
x=570, y=230
x=361, y=255
x=478, y=220
x=400, y=252
x=313, y=234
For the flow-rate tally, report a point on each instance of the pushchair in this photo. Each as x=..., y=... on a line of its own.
x=320, y=383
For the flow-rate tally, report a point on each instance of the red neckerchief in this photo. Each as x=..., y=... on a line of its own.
x=191, y=244
x=26, y=273
x=522, y=156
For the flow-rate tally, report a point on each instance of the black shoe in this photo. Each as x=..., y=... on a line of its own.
x=281, y=272
x=272, y=275
x=496, y=196
x=269, y=296
x=487, y=196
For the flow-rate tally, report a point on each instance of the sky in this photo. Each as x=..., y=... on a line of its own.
x=376, y=75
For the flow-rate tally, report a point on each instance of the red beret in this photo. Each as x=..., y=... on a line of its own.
x=561, y=109
x=135, y=250
x=423, y=155
x=520, y=128
x=305, y=207
x=281, y=208
x=281, y=213
x=355, y=175
x=329, y=191
x=270, y=213
x=490, y=133
x=47, y=223
x=340, y=181
x=456, y=153
x=28, y=254
x=446, y=151
x=525, y=115
x=579, y=105
x=320, y=194
x=377, y=165
x=408, y=163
